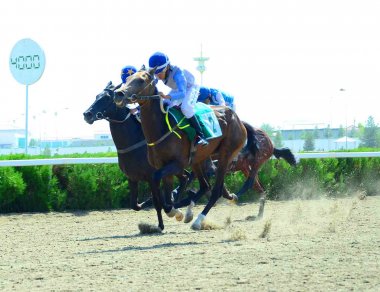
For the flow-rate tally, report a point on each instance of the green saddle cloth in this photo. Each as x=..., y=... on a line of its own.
x=207, y=120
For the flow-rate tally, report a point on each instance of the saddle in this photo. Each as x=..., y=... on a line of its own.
x=206, y=117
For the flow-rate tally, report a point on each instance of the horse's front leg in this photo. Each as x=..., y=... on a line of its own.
x=157, y=203
x=134, y=193
x=166, y=174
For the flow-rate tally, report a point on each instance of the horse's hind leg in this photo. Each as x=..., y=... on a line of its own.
x=250, y=182
x=191, y=200
x=184, y=179
x=229, y=196
x=216, y=193
x=258, y=187
x=263, y=195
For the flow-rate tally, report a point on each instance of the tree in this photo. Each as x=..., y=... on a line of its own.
x=309, y=144
x=33, y=143
x=328, y=133
x=268, y=129
x=370, y=135
x=278, y=139
x=316, y=132
x=342, y=132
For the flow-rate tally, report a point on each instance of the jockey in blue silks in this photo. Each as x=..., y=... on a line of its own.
x=126, y=72
x=184, y=91
x=216, y=97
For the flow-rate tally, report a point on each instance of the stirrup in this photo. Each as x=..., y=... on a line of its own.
x=201, y=141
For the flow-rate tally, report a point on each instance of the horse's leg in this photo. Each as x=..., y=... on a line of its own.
x=251, y=180
x=157, y=203
x=263, y=195
x=204, y=187
x=215, y=194
x=229, y=196
x=170, y=169
x=168, y=187
x=184, y=180
x=133, y=193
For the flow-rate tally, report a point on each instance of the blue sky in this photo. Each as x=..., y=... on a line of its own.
x=285, y=61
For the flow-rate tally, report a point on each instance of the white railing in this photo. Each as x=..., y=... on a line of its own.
x=97, y=160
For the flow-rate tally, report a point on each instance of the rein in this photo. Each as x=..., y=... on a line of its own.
x=100, y=116
x=171, y=130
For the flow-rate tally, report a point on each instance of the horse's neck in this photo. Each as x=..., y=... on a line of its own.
x=152, y=120
x=127, y=133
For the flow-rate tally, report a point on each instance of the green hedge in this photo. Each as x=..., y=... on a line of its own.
x=104, y=186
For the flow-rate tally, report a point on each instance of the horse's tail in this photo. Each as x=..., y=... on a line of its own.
x=286, y=154
x=251, y=139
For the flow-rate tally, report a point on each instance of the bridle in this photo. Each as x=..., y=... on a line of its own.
x=101, y=116
x=137, y=96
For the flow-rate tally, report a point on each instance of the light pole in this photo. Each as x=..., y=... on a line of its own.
x=343, y=90
x=201, y=64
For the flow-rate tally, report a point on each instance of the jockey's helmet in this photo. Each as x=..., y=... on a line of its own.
x=204, y=93
x=159, y=60
x=126, y=72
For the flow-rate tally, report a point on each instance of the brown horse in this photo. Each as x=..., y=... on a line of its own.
x=169, y=154
x=252, y=157
x=258, y=150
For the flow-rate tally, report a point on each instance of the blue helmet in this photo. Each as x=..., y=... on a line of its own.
x=160, y=60
x=204, y=93
x=126, y=72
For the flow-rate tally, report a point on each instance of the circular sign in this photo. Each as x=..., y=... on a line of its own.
x=27, y=61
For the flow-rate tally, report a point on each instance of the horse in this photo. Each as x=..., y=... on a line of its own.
x=252, y=157
x=171, y=154
x=130, y=144
x=258, y=150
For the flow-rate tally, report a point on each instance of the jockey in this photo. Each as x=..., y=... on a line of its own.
x=184, y=90
x=216, y=97
x=125, y=73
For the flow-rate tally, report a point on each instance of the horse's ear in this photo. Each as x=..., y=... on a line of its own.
x=143, y=68
x=109, y=84
x=152, y=70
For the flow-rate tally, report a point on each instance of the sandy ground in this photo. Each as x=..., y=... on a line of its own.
x=316, y=245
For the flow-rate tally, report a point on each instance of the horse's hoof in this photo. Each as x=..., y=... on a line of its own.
x=179, y=215
x=172, y=212
x=234, y=199
x=188, y=217
x=197, y=225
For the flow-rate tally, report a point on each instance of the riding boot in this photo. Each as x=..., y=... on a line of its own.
x=197, y=127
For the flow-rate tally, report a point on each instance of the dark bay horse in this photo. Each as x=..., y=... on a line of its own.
x=130, y=144
x=170, y=154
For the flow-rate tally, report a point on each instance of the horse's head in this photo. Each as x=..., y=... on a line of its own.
x=138, y=88
x=104, y=107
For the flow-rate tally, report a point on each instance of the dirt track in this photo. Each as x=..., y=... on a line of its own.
x=319, y=245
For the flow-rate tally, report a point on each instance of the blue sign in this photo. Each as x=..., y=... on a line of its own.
x=27, y=61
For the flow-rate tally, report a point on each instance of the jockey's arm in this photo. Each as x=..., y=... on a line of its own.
x=180, y=80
